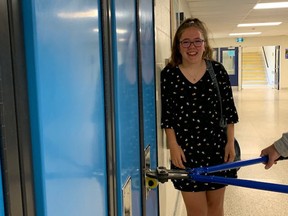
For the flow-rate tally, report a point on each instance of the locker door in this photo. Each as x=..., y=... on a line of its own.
x=65, y=86
x=1, y=194
x=127, y=126
x=146, y=11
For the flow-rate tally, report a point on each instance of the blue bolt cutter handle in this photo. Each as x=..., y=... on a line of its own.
x=196, y=175
x=242, y=183
x=228, y=166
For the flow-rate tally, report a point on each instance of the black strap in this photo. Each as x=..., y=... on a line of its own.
x=223, y=122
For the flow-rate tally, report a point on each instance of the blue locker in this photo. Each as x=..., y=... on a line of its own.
x=148, y=88
x=126, y=102
x=2, y=212
x=65, y=86
x=127, y=114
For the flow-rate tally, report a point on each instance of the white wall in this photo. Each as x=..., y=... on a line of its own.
x=164, y=28
x=261, y=41
x=162, y=52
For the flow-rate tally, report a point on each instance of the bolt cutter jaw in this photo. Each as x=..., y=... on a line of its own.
x=163, y=175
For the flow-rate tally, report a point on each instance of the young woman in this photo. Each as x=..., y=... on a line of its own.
x=191, y=115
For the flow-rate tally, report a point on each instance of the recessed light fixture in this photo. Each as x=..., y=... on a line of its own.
x=259, y=24
x=271, y=5
x=245, y=33
x=77, y=15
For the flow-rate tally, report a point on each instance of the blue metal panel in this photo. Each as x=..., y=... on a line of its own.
x=126, y=96
x=65, y=81
x=148, y=84
x=1, y=194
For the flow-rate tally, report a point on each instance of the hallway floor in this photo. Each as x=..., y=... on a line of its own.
x=263, y=116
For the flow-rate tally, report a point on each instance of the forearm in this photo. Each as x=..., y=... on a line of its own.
x=171, y=137
x=281, y=145
x=230, y=134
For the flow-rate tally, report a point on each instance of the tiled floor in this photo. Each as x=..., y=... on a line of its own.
x=263, y=115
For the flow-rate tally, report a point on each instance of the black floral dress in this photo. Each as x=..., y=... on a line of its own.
x=193, y=111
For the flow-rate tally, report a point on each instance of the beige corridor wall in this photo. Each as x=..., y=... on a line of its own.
x=261, y=41
x=163, y=37
x=162, y=52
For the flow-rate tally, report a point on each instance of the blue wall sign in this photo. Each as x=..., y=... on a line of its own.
x=240, y=40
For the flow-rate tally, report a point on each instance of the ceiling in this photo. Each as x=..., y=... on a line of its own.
x=223, y=16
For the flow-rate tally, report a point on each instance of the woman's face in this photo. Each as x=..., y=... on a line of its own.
x=192, y=46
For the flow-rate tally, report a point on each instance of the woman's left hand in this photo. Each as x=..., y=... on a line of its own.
x=229, y=153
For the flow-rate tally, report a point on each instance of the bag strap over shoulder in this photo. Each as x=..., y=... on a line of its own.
x=223, y=122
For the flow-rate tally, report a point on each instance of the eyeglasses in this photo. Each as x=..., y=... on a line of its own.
x=187, y=43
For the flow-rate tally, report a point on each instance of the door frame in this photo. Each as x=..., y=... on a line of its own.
x=109, y=98
x=233, y=78
x=15, y=144
x=277, y=68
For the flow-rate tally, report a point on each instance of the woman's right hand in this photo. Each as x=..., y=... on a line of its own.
x=177, y=156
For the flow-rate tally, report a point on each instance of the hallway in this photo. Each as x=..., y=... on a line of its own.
x=263, y=115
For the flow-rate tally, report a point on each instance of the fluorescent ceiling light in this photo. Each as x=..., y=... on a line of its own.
x=271, y=5
x=77, y=15
x=259, y=24
x=121, y=31
x=245, y=33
